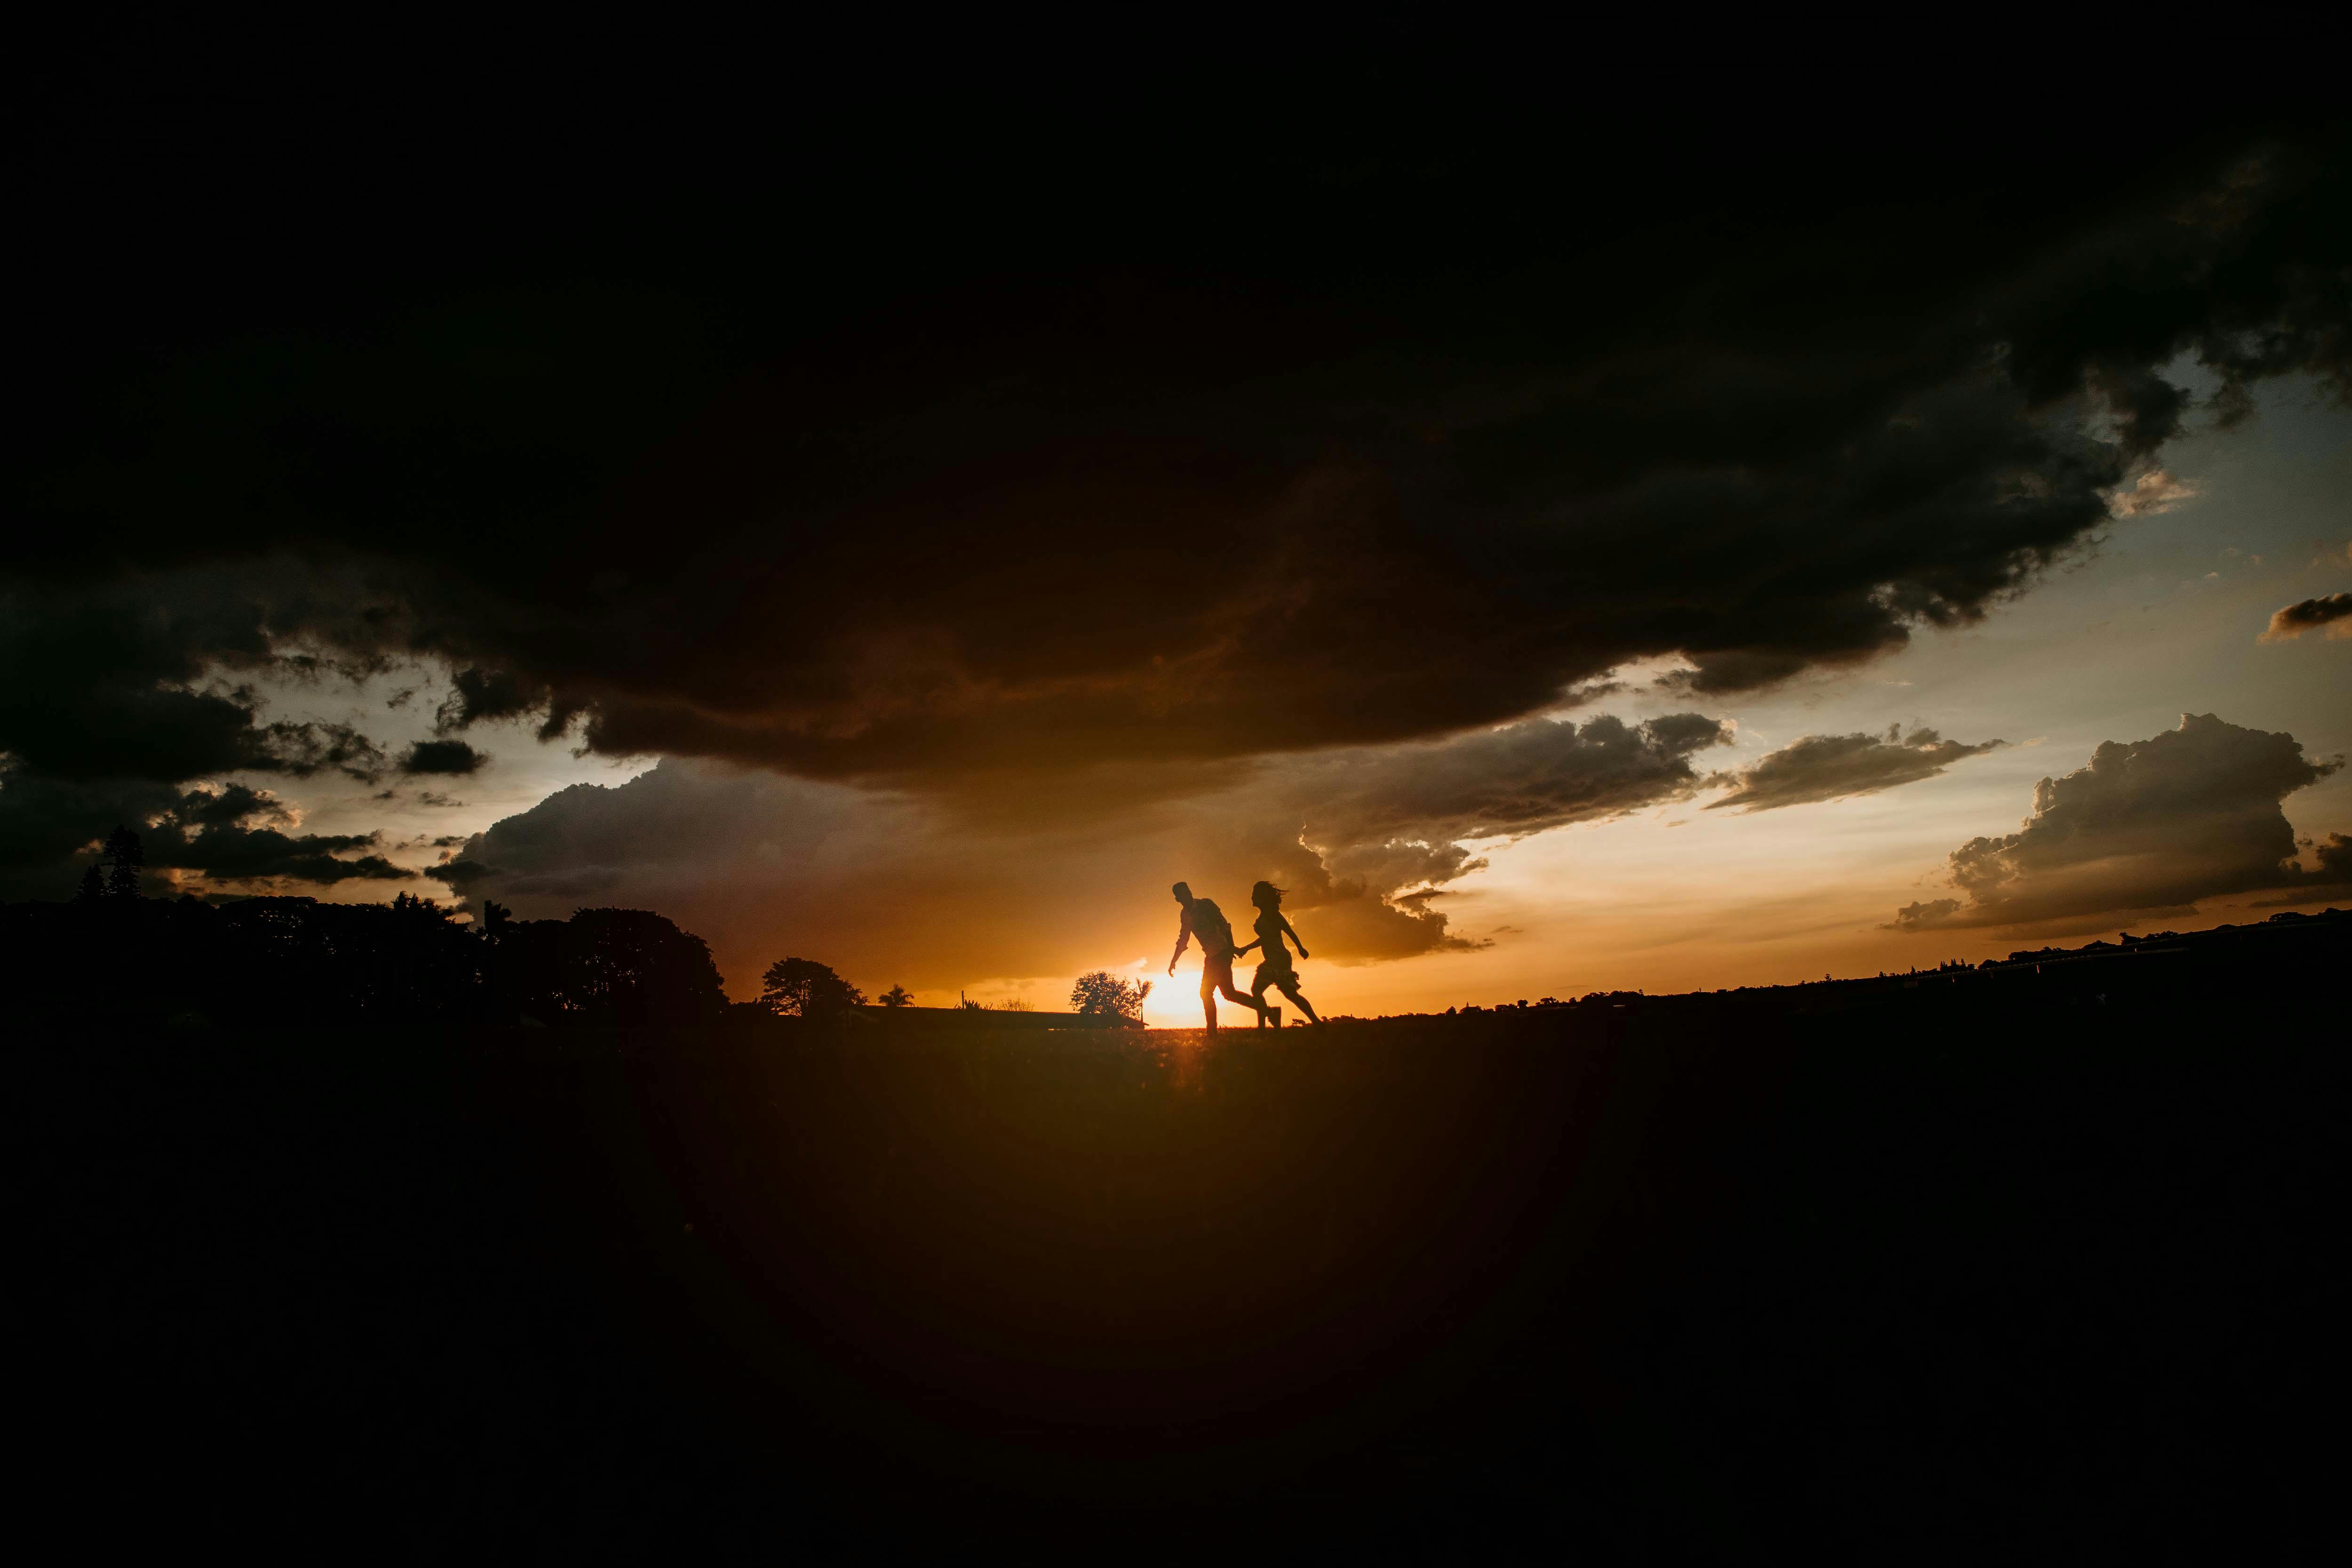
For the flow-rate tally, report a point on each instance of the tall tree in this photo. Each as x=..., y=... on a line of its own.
x=124, y=858
x=897, y=997
x=92, y=888
x=804, y=988
x=634, y=968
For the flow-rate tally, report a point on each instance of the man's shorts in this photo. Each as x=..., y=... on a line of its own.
x=1216, y=972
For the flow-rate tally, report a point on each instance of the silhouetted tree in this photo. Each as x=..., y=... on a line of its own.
x=1103, y=995
x=897, y=997
x=635, y=968
x=804, y=988
x=530, y=971
x=626, y=967
x=269, y=960
x=92, y=888
x=418, y=962
x=496, y=919
x=124, y=858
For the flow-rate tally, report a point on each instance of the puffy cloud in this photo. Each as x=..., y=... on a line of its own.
x=2150, y=825
x=1926, y=912
x=1826, y=767
x=2332, y=611
x=2153, y=493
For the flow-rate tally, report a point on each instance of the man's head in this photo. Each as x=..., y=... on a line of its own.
x=1184, y=891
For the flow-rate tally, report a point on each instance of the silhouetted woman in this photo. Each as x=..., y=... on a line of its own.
x=1275, y=967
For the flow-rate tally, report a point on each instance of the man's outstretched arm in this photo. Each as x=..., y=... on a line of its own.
x=1184, y=935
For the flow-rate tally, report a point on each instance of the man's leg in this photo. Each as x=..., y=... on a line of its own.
x=1216, y=978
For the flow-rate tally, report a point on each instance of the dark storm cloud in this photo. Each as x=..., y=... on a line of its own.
x=1330, y=463
x=124, y=679
x=1829, y=767
x=235, y=834
x=2333, y=610
x=475, y=695
x=312, y=747
x=231, y=806
x=453, y=758
x=224, y=833
x=2150, y=825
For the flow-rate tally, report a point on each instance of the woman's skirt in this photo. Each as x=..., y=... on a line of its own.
x=1274, y=971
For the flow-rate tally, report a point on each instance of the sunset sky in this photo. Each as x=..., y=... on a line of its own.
x=1563, y=569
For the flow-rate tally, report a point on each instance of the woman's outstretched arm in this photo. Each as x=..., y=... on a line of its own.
x=1294, y=938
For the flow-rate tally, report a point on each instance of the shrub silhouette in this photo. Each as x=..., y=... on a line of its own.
x=897, y=997
x=1103, y=995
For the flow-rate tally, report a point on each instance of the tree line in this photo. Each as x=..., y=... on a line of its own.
x=269, y=961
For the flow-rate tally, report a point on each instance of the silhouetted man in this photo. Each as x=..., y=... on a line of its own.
x=1203, y=920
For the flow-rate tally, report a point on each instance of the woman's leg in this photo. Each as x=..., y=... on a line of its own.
x=1290, y=989
x=1257, y=1000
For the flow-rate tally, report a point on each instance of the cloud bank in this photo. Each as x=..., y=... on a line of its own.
x=2149, y=825
x=904, y=888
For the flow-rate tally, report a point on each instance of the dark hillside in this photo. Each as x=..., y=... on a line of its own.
x=1935, y=1269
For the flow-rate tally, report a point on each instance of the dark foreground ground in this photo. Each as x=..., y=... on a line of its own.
x=1950, y=1268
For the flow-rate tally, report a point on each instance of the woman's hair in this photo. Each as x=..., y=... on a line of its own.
x=1265, y=896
